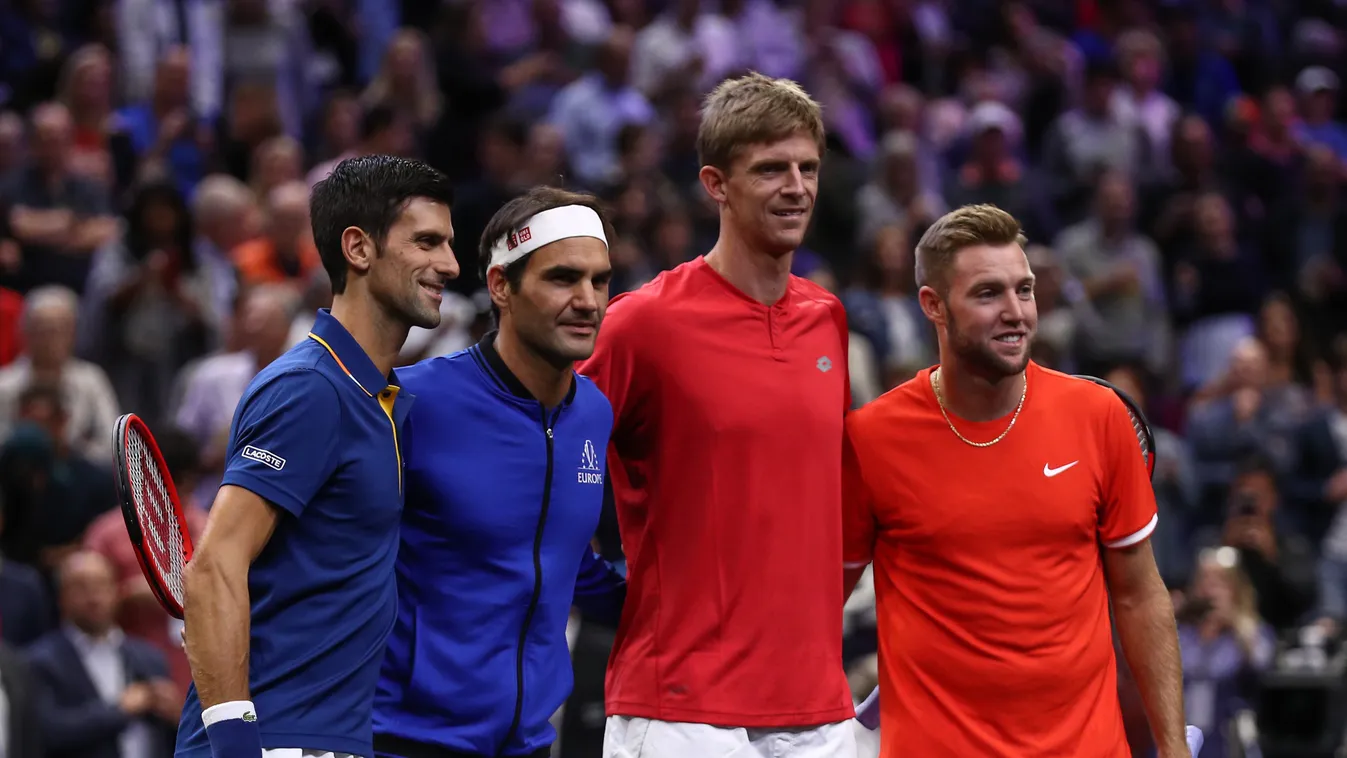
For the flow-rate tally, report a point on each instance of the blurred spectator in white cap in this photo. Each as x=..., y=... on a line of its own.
x=1318, y=90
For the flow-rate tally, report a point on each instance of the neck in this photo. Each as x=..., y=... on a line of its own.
x=377, y=333
x=975, y=398
x=44, y=371
x=546, y=381
x=757, y=274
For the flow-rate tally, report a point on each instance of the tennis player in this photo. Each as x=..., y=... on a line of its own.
x=505, y=475
x=728, y=380
x=290, y=593
x=1003, y=504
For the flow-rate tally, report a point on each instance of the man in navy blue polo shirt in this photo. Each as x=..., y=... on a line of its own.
x=290, y=593
x=505, y=481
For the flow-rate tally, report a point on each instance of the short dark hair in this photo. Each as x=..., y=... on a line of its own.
x=42, y=392
x=367, y=192
x=513, y=214
x=961, y=228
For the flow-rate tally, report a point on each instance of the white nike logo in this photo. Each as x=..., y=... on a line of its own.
x=1050, y=472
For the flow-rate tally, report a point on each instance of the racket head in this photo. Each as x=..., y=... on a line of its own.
x=1142, y=427
x=142, y=479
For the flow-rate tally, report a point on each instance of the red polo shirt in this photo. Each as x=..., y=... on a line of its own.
x=725, y=465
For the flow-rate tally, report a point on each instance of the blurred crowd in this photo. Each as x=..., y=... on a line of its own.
x=1179, y=167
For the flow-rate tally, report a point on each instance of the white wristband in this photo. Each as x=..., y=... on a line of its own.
x=234, y=709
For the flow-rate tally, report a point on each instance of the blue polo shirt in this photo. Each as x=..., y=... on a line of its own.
x=316, y=434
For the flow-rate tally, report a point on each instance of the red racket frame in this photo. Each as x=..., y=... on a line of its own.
x=135, y=528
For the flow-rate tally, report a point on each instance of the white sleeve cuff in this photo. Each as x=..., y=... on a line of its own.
x=234, y=709
x=1136, y=536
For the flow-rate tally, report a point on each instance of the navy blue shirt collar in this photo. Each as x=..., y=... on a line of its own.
x=495, y=366
x=350, y=356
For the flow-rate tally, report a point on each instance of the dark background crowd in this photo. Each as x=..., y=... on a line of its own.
x=1178, y=165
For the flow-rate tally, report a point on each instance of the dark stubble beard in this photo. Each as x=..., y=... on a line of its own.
x=978, y=356
x=407, y=308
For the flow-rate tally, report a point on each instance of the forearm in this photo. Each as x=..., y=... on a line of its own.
x=217, y=632
x=1150, y=643
x=37, y=227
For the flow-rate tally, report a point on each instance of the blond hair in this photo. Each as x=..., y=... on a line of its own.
x=751, y=110
x=962, y=228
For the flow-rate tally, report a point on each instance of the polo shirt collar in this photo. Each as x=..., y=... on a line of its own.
x=502, y=373
x=350, y=356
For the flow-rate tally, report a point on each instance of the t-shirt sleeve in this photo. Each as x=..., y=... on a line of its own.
x=613, y=366
x=285, y=439
x=1127, y=512
x=858, y=512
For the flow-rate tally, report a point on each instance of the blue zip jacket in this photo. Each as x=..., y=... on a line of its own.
x=503, y=497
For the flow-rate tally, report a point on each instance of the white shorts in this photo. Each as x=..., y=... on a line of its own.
x=625, y=737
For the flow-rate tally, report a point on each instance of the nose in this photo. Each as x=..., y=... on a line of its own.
x=585, y=298
x=445, y=262
x=794, y=186
x=1014, y=310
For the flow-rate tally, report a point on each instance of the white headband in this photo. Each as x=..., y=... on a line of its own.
x=545, y=228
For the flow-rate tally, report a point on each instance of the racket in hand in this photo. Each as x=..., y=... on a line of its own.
x=154, y=517
x=1139, y=424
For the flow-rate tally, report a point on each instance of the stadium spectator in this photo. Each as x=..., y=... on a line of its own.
x=99, y=693
x=58, y=215
x=50, y=319
x=1224, y=644
x=53, y=491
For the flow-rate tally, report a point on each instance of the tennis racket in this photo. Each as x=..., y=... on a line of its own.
x=153, y=514
x=1139, y=424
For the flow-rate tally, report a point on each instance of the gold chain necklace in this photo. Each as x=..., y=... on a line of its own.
x=940, y=399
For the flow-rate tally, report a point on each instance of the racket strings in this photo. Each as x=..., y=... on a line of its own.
x=157, y=515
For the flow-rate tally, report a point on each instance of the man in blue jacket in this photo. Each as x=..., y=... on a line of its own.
x=505, y=479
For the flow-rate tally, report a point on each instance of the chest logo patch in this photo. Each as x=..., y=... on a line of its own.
x=1050, y=472
x=590, y=472
x=824, y=364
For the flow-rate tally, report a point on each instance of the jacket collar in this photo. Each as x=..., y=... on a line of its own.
x=495, y=366
x=348, y=353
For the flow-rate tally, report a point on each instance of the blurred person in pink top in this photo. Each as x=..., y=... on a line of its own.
x=139, y=613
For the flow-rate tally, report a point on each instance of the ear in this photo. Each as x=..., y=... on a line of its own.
x=358, y=249
x=713, y=181
x=498, y=287
x=932, y=305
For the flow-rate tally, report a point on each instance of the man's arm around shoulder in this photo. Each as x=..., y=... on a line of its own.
x=1144, y=617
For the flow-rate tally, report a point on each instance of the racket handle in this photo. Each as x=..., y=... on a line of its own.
x=868, y=712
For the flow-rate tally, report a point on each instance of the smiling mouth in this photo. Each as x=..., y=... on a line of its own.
x=1010, y=339
x=434, y=289
x=789, y=213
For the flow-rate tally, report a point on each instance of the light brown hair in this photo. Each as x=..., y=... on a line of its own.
x=751, y=110
x=957, y=230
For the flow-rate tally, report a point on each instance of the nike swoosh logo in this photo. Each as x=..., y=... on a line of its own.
x=1051, y=472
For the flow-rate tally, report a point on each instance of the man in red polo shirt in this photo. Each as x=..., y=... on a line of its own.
x=728, y=381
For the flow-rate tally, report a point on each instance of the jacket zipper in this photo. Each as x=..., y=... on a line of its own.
x=537, y=585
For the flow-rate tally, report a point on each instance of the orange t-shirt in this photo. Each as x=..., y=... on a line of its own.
x=994, y=633
x=257, y=262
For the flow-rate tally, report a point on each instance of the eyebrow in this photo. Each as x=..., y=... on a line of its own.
x=564, y=270
x=998, y=284
x=433, y=236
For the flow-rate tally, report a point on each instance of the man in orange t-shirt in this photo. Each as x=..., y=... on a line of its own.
x=1002, y=504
